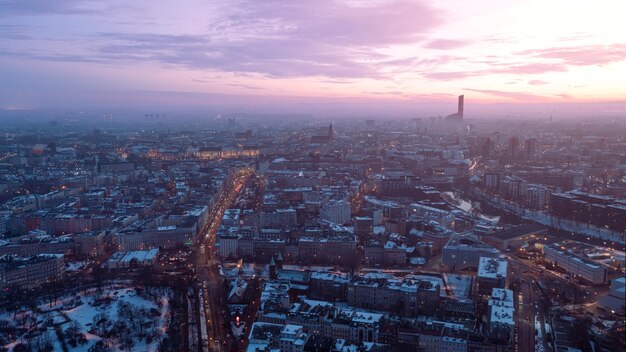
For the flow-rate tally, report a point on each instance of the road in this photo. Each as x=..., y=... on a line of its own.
x=529, y=304
x=208, y=278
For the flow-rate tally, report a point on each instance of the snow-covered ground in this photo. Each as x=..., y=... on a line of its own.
x=135, y=318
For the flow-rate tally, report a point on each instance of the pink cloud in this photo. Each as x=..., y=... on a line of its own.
x=450, y=75
x=332, y=39
x=445, y=44
x=509, y=95
x=582, y=55
x=531, y=68
x=274, y=38
x=537, y=82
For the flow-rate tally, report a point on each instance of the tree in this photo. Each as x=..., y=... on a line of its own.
x=126, y=340
x=42, y=343
x=100, y=323
x=20, y=347
x=99, y=346
x=73, y=333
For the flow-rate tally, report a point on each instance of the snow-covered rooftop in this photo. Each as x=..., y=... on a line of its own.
x=492, y=267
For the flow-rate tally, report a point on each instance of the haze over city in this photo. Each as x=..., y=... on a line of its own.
x=312, y=176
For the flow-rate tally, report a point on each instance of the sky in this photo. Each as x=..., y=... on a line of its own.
x=322, y=55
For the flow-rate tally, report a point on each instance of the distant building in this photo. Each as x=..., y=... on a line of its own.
x=116, y=167
x=458, y=116
x=229, y=246
x=292, y=338
x=158, y=237
x=537, y=196
x=437, y=238
x=394, y=253
x=278, y=218
x=210, y=153
x=596, y=209
x=501, y=312
x=491, y=179
x=324, y=138
x=465, y=252
x=613, y=301
x=373, y=252
x=124, y=260
x=38, y=242
x=388, y=209
x=492, y=273
x=90, y=244
x=487, y=147
x=531, y=148
x=231, y=217
x=334, y=250
x=570, y=256
x=514, y=237
x=409, y=296
x=30, y=272
x=329, y=285
x=443, y=217
x=363, y=225
x=336, y=211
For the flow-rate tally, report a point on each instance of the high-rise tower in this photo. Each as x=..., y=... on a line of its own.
x=458, y=116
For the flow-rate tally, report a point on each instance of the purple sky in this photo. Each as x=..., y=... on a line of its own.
x=324, y=56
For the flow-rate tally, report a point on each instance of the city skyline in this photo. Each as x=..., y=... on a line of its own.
x=344, y=57
x=312, y=176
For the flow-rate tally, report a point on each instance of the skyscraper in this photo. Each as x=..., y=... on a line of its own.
x=458, y=116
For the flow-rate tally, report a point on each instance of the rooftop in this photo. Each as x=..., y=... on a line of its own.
x=518, y=231
x=492, y=267
x=502, y=294
x=502, y=315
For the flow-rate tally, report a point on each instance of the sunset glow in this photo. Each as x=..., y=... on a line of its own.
x=90, y=53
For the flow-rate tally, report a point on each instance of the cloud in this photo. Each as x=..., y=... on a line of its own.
x=246, y=86
x=509, y=95
x=496, y=69
x=16, y=8
x=537, y=82
x=13, y=32
x=530, y=68
x=541, y=61
x=582, y=55
x=294, y=39
x=445, y=44
x=36, y=7
x=450, y=75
